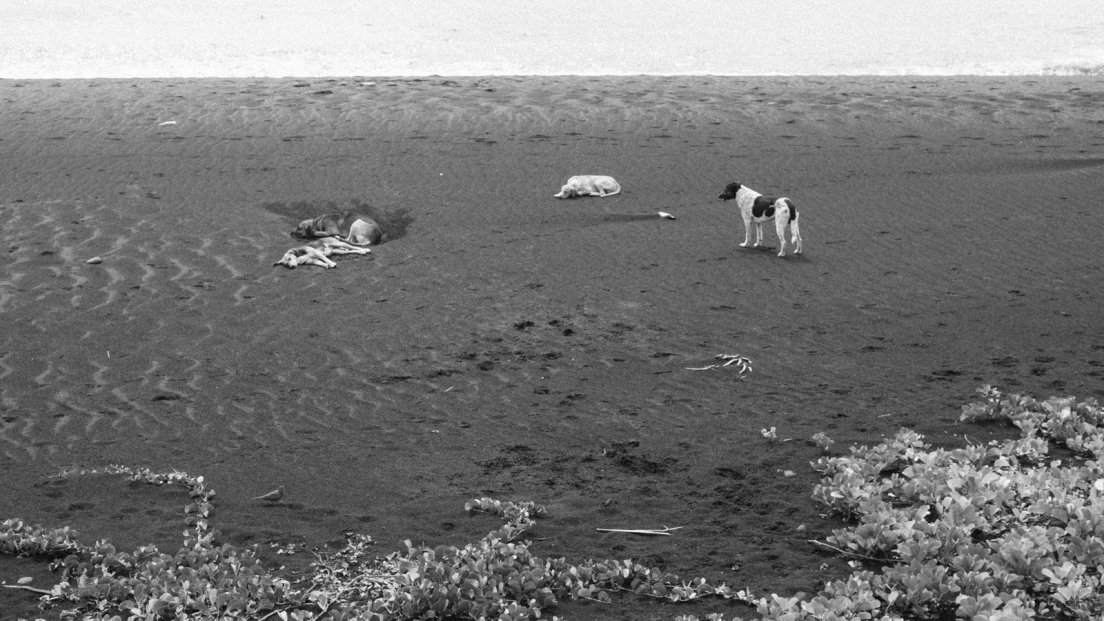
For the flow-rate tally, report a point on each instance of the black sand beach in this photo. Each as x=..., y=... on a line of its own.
x=502, y=343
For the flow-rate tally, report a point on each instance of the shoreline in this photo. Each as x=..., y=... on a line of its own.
x=418, y=37
x=1086, y=74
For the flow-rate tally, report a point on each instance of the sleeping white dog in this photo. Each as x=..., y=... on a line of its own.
x=589, y=185
x=318, y=253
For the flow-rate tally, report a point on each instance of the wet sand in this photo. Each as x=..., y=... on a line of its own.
x=504, y=343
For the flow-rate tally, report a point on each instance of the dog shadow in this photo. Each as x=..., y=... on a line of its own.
x=771, y=252
x=629, y=217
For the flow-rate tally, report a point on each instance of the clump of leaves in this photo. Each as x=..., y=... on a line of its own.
x=20, y=539
x=1000, y=532
x=202, y=580
x=822, y=440
x=494, y=578
x=519, y=516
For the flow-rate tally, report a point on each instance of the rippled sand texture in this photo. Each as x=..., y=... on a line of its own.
x=505, y=343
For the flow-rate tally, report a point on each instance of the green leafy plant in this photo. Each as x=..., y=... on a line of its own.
x=1000, y=532
x=203, y=580
x=822, y=440
x=995, y=531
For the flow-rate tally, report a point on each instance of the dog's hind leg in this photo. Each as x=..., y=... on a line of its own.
x=780, y=219
x=789, y=210
x=796, y=230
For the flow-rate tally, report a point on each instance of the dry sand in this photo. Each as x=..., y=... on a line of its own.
x=504, y=343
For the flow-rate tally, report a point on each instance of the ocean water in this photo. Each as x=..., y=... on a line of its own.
x=275, y=38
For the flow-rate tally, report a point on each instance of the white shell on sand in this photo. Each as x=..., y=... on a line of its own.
x=664, y=214
x=95, y=260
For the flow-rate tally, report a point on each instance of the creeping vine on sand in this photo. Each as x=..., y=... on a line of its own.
x=1000, y=532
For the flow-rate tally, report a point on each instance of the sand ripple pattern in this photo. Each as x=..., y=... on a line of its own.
x=502, y=306
x=185, y=333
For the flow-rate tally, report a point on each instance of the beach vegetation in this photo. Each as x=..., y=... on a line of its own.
x=822, y=440
x=1010, y=530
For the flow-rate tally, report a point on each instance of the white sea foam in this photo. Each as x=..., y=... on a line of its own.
x=274, y=38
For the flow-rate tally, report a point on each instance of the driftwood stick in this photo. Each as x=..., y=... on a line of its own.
x=729, y=359
x=851, y=554
x=665, y=531
x=27, y=588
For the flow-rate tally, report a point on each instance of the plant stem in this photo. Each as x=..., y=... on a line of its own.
x=26, y=588
x=851, y=554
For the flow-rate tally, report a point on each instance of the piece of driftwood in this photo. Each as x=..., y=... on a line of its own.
x=26, y=588
x=744, y=364
x=849, y=553
x=665, y=531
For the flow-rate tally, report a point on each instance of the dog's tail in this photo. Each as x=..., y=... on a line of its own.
x=613, y=193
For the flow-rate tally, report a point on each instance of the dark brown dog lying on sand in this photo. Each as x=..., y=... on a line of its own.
x=348, y=226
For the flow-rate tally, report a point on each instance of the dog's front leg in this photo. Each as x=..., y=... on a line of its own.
x=320, y=260
x=747, y=232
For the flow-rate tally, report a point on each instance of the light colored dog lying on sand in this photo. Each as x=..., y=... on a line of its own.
x=318, y=253
x=589, y=185
x=348, y=226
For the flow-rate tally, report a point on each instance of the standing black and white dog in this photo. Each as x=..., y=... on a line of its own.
x=754, y=207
